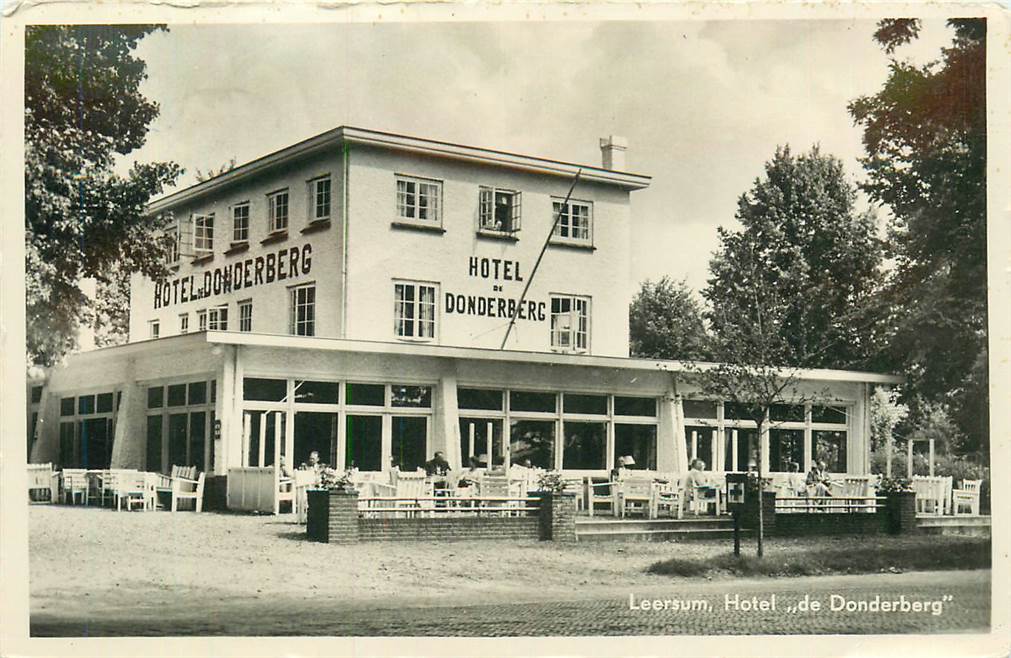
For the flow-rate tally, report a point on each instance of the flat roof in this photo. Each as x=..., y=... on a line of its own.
x=352, y=135
x=514, y=356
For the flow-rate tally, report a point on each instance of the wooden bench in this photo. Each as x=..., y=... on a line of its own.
x=185, y=483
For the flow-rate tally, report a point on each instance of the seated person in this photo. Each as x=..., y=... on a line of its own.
x=696, y=479
x=285, y=470
x=437, y=465
x=472, y=474
x=314, y=464
x=795, y=483
x=818, y=479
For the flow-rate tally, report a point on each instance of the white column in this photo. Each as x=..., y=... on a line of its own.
x=681, y=450
x=931, y=461
x=909, y=458
x=808, y=452
x=446, y=422
x=764, y=445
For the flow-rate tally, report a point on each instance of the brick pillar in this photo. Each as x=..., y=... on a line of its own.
x=332, y=516
x=558, y=516
x=749, y=516
x=901, y=509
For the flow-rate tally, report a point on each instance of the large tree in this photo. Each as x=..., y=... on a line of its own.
x=802, y=240
x=925, y=139
x=83, y=110
x=666, y=322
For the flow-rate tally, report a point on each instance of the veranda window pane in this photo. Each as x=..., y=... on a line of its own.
x=412, y=396
x=533, y=440
x=67, y=407
x=584, y=404
x=829, y=447
x=699, y=409
x=474, y=398
x=104, y=403
x=637, y=441
x=474, y=441
x=787, y=412
x=86, y=405
x=822, y=414
x=627, y=406
x=266, y=390
x=197, y=393
x=786, y=447
x=155, y=397
x=364, y=445
x=409, y=442
x=585, y=445
x=177, y=395
x=530, y=401
x=373, y=395
x=308, y=392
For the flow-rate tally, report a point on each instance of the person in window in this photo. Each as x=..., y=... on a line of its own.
x=818, y=481
x=503, y=212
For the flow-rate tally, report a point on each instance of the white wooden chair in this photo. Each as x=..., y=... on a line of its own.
x=42, y=478
x=576, y=486
x=601, y=493
x=931, y=493
x=185, y=484
x=75, y=483
x=132, y=490
x=966, y=496
x=496, y=486
x=668, y=494
x=635, y=494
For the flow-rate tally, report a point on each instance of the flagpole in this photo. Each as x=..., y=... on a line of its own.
x=544, y=248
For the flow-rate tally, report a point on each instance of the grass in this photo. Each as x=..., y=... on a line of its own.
x=913, y=554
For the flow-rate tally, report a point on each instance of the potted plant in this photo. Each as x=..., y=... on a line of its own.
x=333, y=507
x=900, y=503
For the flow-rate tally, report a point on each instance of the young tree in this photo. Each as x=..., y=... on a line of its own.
x=925, y=139
x=805, y=240
x=83, y=109
x=665, y=322
x=112, y=309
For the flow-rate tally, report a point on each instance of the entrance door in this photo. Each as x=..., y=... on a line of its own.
x=263, y=437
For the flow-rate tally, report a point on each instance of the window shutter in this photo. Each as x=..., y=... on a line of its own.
x=486, y=217
x=514, y=224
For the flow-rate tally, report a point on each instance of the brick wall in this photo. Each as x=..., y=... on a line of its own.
x=830, y=523
x=449, y=528
x=332, y=517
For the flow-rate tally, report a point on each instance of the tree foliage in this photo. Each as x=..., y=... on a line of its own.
x=112, y=309
x=815, y=257
x=83, y=110
x=925, y=140
x=214, y=173
x=666, y=322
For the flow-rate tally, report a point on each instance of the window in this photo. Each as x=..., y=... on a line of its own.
x=575, y=221
x=217, y=318
x=184, y=323
x=277, y=211
x=418, y=200
x=498, y=210
x=203, y=234
x=246, y=315
x=309, y=392
x=475, y=398
x=172, y=255
x=240, y=222
x=267, y=390
x=414, y=310
x=319, y=196
x=36, y=394
x=372, y=395
x=570, y=319
x=155, y=328
x=303, y=310
x=202, y=320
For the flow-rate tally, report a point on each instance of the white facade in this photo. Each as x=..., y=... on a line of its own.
x=395, y=353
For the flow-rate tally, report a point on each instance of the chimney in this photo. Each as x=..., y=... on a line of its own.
x=612, y=152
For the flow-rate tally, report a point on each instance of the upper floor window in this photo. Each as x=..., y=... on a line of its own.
x=277, y=211
x=418, y=200
x=499, y=210
x=575, y=221
x=303, y=310
x=155, y=328
x=240, y=222
x=172, y=254
x=202, y=320
x=246, y=315
x=203, y=234
x=570, y=323
x=217, y=318
x=319, y=196
x=414, y=310
x=184, y=323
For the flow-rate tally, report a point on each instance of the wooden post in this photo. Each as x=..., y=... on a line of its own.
x=909, y=459
x=931, y=458
x=888, y=452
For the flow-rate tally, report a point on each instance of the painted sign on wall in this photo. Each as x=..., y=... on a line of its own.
x=496, y=270
x=288, y=263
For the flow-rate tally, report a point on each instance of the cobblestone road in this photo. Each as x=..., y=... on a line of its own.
x=967, y=610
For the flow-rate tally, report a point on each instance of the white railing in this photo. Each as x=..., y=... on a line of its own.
x=809, y=504
x=395, y=507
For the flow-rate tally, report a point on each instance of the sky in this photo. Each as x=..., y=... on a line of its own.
x=703, y=104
